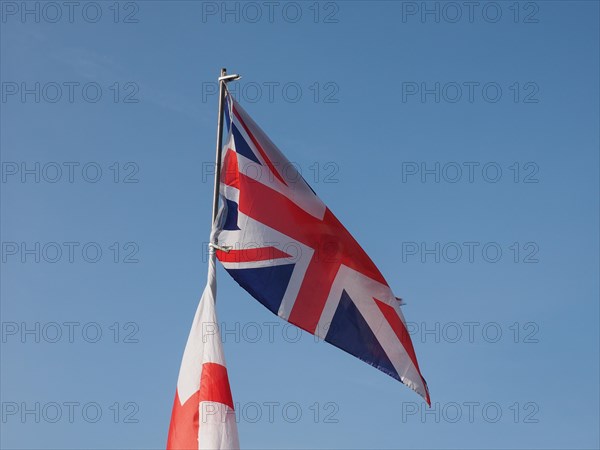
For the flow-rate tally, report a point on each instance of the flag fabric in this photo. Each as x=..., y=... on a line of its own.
x=286, y=248
x=203, y=414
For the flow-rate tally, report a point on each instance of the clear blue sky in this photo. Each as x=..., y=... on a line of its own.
x=529, y=106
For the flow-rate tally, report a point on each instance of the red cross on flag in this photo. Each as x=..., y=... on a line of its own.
x=282, y=244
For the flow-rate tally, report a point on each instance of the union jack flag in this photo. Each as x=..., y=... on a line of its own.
x=280, y=242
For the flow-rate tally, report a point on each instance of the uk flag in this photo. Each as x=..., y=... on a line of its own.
x=279, y=241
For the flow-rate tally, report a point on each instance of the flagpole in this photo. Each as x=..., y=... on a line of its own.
x=223, y=80
x=219, y=146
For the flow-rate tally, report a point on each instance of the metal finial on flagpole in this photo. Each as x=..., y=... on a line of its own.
x=223, y=79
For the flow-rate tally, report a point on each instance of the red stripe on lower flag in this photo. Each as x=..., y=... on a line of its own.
x=214, y=385
x=183, y=430
x=185, y=419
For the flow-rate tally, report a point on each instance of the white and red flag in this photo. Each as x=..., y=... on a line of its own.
x=203, y=414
